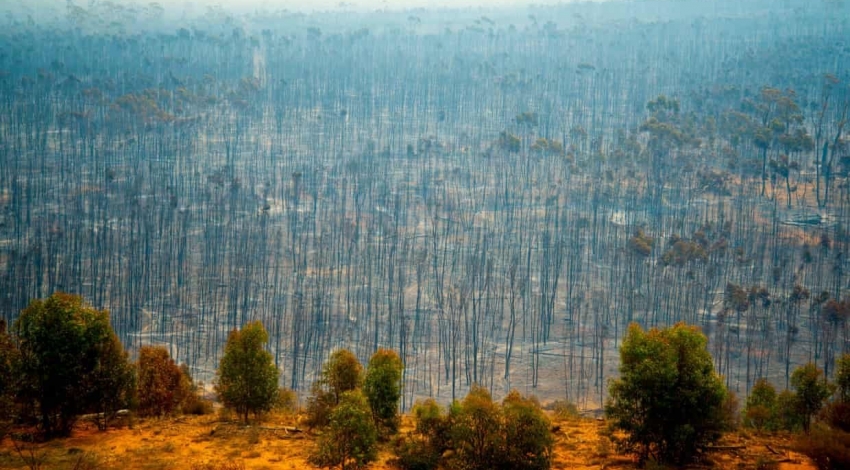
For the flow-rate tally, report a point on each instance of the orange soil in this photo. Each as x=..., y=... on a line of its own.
x=191, y=443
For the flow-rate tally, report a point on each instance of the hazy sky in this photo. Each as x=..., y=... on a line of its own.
x=309, y=5
x=374, y=4
x=386, y=4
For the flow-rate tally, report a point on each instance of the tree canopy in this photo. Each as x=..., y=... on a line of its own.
x=668, y=399
x=71, y=361
x=382, y=387
x=247, y=379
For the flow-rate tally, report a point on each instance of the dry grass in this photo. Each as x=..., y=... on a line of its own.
x=208, y=443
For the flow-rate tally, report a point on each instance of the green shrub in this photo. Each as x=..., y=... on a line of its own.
x=787, y=416
x=433, y=424
x=563, y=409
x=287, y=400
x=319, y=406
x=415, y=453
x=761, y=411
x=350, y=438
x=195, y=405
x=527, y=437
x=477, y=431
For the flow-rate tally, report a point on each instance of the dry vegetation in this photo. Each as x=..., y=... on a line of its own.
x=214, y=442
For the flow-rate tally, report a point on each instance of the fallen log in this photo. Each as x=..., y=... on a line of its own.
x=281, y=428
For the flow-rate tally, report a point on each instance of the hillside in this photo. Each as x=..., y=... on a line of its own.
x=214, y=443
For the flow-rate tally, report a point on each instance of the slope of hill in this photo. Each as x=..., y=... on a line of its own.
x=215, y=443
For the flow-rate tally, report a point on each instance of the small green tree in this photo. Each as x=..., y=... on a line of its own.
x=68, y=353
x=812, y=390
x=668, y=399
x=341, y=373
x=246, y=379
x=162, y=385
x=528, y=439
x=350, y=439
x=382, y=387
x=761, y=406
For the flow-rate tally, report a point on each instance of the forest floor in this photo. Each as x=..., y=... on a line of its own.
x=213, y=443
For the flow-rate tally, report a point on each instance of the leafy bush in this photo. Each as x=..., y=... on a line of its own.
x=788, y=418
x=528, y=439
x=683, y=252
x=319, y=406
x=476, y=431
x=193, y=402
x=479, y=434
x=350, y=438
x=668, y=400
x=641, y=243
x=828, y=448
x=415, y=453
x=112, y=383
x=729, y=415
x=761, y=411
x=563, y=409
x=423, y=449
x=287, y=400
x=162, y=385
